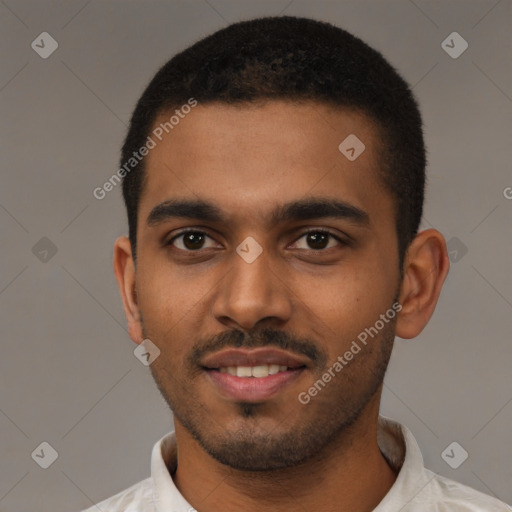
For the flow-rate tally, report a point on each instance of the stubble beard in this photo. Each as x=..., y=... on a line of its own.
x=251, y=448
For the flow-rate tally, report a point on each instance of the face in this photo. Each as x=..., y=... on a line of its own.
x=279, y=255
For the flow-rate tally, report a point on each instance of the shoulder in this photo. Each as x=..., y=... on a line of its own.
x=137, y=498
x=446, y=494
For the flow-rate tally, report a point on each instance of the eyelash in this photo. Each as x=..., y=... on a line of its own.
x=322, y=231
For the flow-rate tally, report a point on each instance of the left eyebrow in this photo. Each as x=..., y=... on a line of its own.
x=303, y=209
x=317, y=208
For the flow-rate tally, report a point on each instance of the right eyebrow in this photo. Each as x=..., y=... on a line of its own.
x=184, y=208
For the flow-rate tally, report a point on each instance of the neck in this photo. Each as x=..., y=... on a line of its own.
x=351, y=474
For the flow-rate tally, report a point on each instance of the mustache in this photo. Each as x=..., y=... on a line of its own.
x=255, y=339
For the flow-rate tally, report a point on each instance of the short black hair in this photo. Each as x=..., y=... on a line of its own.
x=297, y=59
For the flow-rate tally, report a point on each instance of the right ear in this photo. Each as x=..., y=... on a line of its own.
x=124, y=269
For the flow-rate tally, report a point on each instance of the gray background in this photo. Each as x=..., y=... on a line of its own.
x=68, y=375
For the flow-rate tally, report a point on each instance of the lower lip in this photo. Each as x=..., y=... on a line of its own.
x=252, y=389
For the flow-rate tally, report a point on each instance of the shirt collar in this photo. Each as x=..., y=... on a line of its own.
x=396, y=443
x=400, y=449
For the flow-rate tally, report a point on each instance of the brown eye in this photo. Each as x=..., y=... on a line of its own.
x=189, y=241
x=319, y=240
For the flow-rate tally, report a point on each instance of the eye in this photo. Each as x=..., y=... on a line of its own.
x=189, y=241
x=318, y=240
x=315, y=239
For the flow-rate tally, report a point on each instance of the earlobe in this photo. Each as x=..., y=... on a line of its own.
x=425, y=269
x=124, y=270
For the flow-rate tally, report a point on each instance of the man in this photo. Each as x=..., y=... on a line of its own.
x=274, y=180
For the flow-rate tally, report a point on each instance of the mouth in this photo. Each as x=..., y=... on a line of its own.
x=258, y=372
x=253, y=376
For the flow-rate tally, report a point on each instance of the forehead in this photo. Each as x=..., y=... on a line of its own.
x=247, y=159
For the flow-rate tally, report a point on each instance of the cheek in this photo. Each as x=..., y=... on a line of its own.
x=157, y=302
x=340, y=308
x=164, y=292
x=173, y=302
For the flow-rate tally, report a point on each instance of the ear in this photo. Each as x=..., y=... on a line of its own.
x=124, y=269
x=425, y=269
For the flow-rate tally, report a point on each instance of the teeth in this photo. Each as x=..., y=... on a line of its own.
x=263, y=370
x=273, y=369
x=243, y=371
x=260, y=371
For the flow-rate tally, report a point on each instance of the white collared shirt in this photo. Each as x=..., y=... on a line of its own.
x=416, y=488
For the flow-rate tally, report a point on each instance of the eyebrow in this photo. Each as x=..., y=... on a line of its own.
x=302, y=209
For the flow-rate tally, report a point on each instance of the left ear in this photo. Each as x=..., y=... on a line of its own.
x=425, y=268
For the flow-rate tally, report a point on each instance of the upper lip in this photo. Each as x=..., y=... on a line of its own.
x=253, y=357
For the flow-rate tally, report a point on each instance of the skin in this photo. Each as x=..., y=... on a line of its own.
x=278, y=454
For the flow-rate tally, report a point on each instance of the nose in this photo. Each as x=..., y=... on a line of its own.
x=252, y=293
